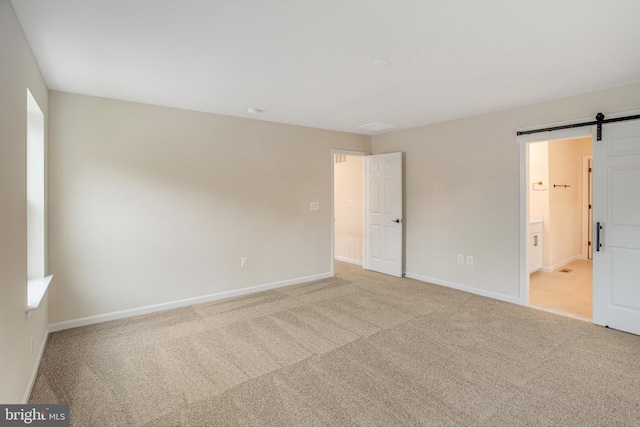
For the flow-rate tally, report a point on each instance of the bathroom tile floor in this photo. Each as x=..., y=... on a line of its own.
x=569, y=293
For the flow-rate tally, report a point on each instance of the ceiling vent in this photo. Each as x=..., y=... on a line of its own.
x=377, y=126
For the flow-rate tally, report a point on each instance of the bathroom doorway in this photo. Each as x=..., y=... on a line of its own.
x=558, y=249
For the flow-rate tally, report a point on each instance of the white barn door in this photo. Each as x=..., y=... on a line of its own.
x=616, y=209
x=383, y=213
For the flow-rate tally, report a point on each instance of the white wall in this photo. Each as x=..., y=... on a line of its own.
x=462, y=189
x=539, y=198
x=150, y=205
x=18, y=70
x=349, y=209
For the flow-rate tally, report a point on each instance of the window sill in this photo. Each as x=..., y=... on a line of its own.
x=36, y=288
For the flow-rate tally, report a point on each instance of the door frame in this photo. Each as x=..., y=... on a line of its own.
x=523, y=141
x=587, y=226
x=335, y=151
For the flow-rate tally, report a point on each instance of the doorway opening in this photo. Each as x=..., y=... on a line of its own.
x=367, y=204
x=558, y=227
x=616, y=209
x=348, y=207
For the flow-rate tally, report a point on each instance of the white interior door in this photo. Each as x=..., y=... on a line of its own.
x=383, y=213
x=616, y=208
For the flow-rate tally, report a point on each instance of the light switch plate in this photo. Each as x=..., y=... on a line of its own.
x=314, y=206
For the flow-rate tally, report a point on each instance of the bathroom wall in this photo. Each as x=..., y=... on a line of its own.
x=565, y=204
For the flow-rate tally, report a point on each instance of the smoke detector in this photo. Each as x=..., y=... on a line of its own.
x=380, y=63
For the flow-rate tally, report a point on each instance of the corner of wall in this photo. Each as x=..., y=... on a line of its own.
x=19, y=72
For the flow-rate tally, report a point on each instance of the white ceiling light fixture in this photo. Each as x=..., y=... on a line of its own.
x=380, y=63
x=377, y=126
x=252, y=110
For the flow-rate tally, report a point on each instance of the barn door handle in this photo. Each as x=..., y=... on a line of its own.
x=599, y=226
x=397, y=221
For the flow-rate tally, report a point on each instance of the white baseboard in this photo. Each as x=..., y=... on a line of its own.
x=481, y=292
x=560, y=264
x=84, y=321
x=349, y=260
x=36, y=368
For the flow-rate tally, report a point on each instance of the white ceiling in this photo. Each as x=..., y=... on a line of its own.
x=308, y=62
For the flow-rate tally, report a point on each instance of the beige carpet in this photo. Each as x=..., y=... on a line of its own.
x=360, y=349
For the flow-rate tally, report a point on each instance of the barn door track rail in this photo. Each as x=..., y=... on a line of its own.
x=599, y=121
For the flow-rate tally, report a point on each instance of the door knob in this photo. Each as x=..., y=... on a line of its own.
x=397, y=221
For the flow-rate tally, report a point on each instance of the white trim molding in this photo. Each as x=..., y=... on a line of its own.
x=560, y=264
x=84, y=321
x=469, y=289
x=36, y=368
x=36, y=289
x=349, y=260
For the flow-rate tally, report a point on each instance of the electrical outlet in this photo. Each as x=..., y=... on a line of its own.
x=244, y=261
x=469, y=259
x=460, y=259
